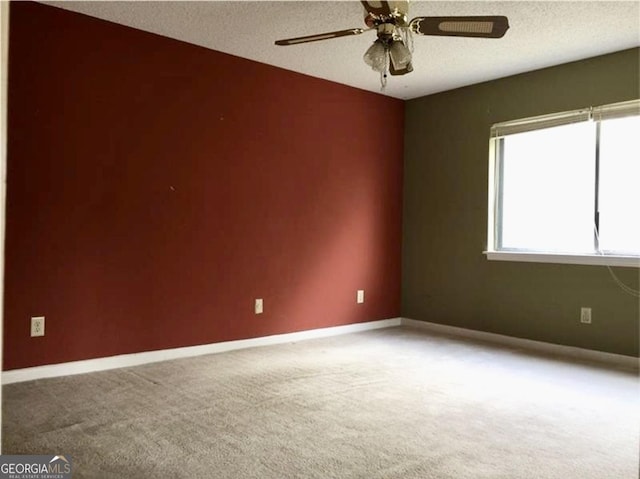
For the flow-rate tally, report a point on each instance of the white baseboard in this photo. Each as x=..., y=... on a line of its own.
x=136, y=359
x=529, y=344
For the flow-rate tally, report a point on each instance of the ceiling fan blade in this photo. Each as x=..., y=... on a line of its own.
x=377, y=7
x=321, y=36
x=402, y=6
x=479, y=26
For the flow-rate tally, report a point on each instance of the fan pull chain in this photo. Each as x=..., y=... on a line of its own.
x=384, y=73
x=383, y=80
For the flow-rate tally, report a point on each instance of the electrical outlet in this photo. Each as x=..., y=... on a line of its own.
x=258, y=306
x=360, y=296
x=37, y=326
x=585, y=315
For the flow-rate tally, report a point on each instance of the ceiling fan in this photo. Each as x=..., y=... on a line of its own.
x=391, y=51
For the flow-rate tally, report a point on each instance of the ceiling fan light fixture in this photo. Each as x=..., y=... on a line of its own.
x=400, y=55
x=376, y=56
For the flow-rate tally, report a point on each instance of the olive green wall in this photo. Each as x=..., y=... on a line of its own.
x=446, y=278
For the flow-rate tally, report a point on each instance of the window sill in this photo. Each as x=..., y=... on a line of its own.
x=563, y=258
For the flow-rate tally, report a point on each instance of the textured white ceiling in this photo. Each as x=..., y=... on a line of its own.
x=541, y=34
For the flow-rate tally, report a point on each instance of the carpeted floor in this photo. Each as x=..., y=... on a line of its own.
x=393, y=403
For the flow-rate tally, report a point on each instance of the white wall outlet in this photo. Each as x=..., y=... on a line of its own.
x=37, y=326
x=258, y=306
x=585, y=315
x=360, y=296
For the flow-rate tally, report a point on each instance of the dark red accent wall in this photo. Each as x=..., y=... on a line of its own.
x=155, y=188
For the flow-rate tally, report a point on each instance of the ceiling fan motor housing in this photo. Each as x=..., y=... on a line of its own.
x=386, y=31
x=395, y=18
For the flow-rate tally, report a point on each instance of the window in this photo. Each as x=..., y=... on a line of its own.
x=566, y=187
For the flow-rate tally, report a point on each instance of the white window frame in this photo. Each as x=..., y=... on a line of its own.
x=616, y=110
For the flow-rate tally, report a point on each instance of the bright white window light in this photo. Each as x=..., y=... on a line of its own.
x=619, y=185
x=564, y=187
x=547, y=189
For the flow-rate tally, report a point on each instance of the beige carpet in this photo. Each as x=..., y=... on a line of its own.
x=394, y=403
